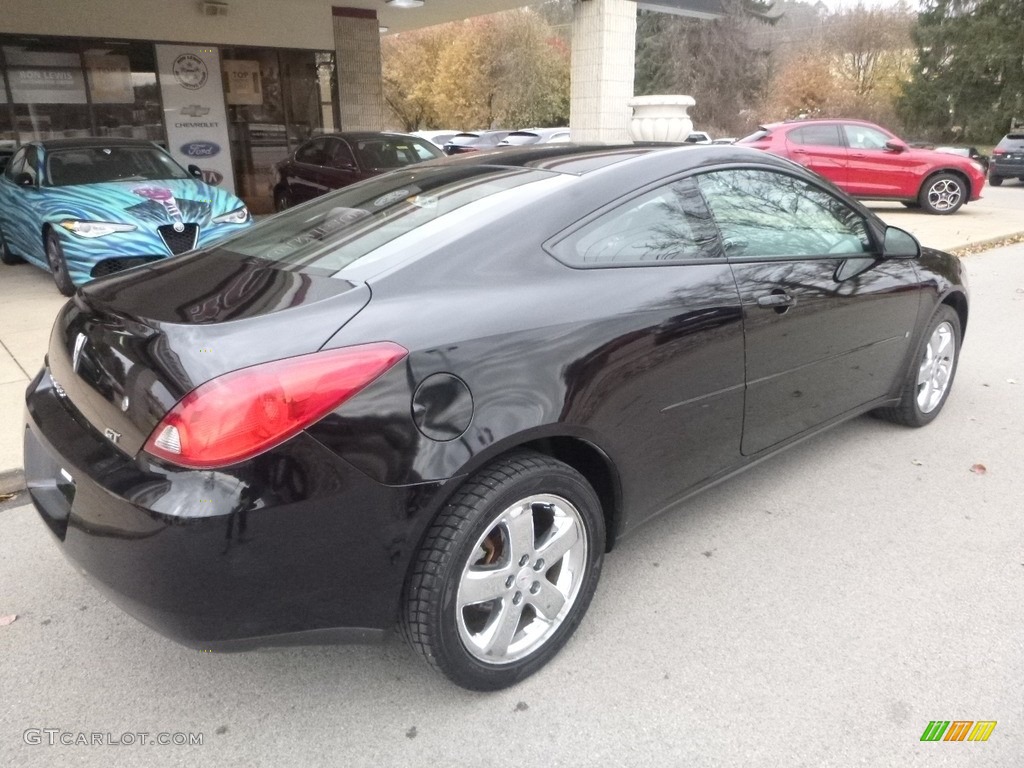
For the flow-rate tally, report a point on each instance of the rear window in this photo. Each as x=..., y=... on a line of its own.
x=1013, y=141
x=334, y=231
x=521, y=137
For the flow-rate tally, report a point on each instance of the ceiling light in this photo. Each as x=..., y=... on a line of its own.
x=405, y=3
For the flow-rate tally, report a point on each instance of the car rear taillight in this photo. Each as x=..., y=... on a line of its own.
x=998, y=151
x=246, y=412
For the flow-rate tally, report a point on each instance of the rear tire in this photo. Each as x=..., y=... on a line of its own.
x=995, y=181
x=929, y=381
x=58, y=265
x=5, y=253
x=506, y=572
x=943, y=194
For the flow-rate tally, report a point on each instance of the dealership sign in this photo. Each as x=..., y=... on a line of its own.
x=194, y=111
x=200, y=149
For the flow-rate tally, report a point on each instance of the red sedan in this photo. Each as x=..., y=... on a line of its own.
x=868, y=162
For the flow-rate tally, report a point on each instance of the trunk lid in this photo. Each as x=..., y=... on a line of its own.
x=127, y=348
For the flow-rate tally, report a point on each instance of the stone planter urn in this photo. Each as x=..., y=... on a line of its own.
x=660, y=118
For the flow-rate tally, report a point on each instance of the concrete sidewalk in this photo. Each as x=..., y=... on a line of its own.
x=29, y=301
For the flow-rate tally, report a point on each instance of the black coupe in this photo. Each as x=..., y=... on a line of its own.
x=438, y=397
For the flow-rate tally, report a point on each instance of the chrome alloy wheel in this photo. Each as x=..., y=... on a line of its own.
x=944, y=194
x=936, y=369
x=522, y=580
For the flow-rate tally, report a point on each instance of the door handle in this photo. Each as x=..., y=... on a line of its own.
x=776, y=300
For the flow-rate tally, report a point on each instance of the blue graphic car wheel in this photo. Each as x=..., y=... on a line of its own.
x=58, y=266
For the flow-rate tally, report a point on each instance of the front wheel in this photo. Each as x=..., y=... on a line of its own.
x=506, y=572
x=58, y=264
x=995, y=181
x=928, y=383
x=943, y=194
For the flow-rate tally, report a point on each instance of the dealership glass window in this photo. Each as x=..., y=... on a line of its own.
x=276, y=100
x=61, y=88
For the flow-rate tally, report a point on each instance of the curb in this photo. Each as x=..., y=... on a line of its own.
x=12, y=480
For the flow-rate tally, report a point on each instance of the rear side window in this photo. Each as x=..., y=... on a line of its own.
x=668, y=225
x=313, y=153
x=816, y=136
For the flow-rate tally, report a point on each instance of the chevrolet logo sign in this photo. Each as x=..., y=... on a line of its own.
x=195, y=110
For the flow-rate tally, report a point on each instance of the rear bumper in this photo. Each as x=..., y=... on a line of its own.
x=293, y=541
x=1005, y=168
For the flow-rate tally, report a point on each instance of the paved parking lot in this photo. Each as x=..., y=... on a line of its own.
x=819, y=610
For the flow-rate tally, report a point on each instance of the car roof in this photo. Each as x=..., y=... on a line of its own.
x=91, y=142
x=360, y=135
x=582, y=159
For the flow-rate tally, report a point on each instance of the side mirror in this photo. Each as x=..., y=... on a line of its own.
x=900, y=244
x=896, y=146
x=24, y=179
x=195, y=171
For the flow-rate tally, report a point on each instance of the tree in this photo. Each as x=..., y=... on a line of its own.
x=507, y=69
x=969, y=78
x=852, y=65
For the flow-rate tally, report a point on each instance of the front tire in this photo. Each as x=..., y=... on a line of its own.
x=58, y=265
x=995, y=181
x=929, y=381
x=943, y=194
x=506, y=572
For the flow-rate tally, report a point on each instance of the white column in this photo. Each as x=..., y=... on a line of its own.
x=603, y=62
x=357, y=57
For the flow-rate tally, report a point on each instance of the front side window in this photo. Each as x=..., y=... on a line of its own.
x=667, y=225
x=862, y=137
x=769, y=214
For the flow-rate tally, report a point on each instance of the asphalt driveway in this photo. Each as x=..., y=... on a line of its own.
x=819, y=610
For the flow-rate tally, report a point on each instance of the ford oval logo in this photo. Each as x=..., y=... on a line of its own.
x=200, y=149
x=213, y=178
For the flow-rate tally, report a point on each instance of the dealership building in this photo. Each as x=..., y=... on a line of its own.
x=234, y=85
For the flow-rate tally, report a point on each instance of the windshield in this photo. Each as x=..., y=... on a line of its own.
x=333, y=231
x=95, y=165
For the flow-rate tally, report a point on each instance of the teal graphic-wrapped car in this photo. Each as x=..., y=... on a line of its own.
x=85, y=208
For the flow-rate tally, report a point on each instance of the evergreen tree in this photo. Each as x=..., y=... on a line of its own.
x=969, y=79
